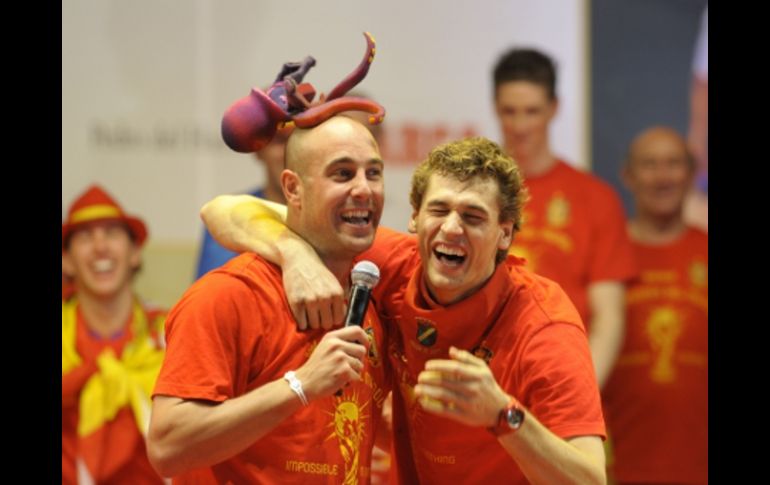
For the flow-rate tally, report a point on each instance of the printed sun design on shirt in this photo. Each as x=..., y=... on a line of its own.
x=664, y=327
x=350, y=429
x=557, y=213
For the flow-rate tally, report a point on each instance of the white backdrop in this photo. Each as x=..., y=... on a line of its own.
x=144, y=85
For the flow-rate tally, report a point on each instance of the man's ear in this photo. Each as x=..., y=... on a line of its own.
x=506, y=235
x=412, y=226
x=135, y=256
x=291, y=184
x=553, y=108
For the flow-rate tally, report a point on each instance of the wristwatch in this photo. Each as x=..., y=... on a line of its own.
x=509, y=419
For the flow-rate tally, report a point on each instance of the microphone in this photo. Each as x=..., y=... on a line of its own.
x=365, y=275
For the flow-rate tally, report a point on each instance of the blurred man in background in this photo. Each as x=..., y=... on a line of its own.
x=573, y=228
x=112, y=346
x=660, y=380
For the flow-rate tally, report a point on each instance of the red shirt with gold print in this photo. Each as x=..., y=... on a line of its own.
x=574, y=232
x=656, y=400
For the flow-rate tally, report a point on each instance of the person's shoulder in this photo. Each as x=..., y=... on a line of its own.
x=246, y=288
x=392, y=251
x=386, y=235
x=250, y=266
x=697, y=235
x=584, y=180
x=538, y=300
x=245, y=273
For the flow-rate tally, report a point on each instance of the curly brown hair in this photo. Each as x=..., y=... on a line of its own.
x=471, y=158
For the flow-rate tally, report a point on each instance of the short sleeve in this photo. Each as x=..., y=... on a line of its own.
x=612, y=255
x=560, y=387
x=206, y=344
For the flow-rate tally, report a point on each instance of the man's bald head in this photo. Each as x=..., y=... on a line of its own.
x=658, y=141
x=334, y=188
x=658, y=172
x=303, y=143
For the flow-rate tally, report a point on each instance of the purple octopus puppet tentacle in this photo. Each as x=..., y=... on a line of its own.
x=251, y=122
x=319, y=114
x=358, y=74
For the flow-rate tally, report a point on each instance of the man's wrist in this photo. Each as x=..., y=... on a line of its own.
x=509, y=419
x=292, y=248
x=296, y=386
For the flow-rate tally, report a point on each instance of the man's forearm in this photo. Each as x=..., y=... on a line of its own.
x=607, y=330
x=187, y=434
x=246, y=223
x=463, y=388
x=605, y=342
x=545, y=458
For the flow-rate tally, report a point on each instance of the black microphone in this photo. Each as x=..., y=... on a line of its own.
x=364, y=277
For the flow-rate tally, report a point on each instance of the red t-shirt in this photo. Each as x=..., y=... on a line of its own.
x=233, y=332
x=573, y=232
x=116, y=452
x=537, y=350
x=656, y=400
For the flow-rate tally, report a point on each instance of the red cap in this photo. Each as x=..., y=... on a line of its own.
x=97, y=205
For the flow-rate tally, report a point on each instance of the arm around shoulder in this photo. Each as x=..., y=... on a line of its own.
x=246, y=223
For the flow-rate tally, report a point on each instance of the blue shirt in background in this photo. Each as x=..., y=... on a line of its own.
x=213, y=255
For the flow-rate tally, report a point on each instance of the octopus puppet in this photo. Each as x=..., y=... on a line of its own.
x=251, y=122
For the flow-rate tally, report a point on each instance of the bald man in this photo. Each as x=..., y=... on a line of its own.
x=660, y=381
x=243, y=395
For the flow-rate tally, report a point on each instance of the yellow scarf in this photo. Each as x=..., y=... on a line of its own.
x=127, y=380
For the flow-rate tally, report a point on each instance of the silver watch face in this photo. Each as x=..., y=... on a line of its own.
x=514, y=418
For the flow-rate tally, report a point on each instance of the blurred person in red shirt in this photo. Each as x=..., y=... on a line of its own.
x=112, y=346
x=660, y=380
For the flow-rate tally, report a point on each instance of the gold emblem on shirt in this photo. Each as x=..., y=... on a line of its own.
x=350, y=431
x=373, y=354
x=699, y=274
x=557, y=213
x=664, y=327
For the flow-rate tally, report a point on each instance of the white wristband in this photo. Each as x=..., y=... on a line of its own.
x=296, y=386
